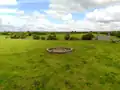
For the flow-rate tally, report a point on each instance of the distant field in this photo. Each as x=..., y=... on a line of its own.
x=25, y=65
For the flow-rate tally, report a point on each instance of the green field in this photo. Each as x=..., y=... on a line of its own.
x=25, y=65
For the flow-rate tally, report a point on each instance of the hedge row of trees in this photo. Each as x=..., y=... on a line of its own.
x=88, y=36
x=23, y=35
x=51, y=36
x=27, y=32
x=18, y=36
x=114, y=33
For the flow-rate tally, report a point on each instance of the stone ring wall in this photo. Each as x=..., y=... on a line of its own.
x=59, y=50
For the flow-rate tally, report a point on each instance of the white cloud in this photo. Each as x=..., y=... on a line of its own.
x=62, y=9
x=7, y=10
x=11, y=11
x=56, y=14
x=79, y=5
x=13, y=19
x=34, y=21
x=109, y=16
x=67, y=17
x=61, y=15
x=8, y=2
x=18, y=12
x=37, y=21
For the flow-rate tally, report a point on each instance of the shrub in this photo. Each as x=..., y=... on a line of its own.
x=36, y=37
x=49, y=37
x=42, y=38
x=67, y=36
x=28, y=33
x=113, y=33
x=23, y=36
x=18, y=36
x=88, y=36
x=74, y=38
x=14, y=36
x=118, y=34
x=52, y=36
x=113, y=41
x=5, y=33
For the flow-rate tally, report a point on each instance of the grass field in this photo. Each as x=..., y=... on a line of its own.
x=25, y=65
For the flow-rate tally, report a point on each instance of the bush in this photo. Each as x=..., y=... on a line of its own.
x=113, y=33
x=113, y=41
x=18, y=36
x=4, y=33
x=52, y=36
x=28, y=33
x=118, y=34
x=36, y=37
x=67, y=36
x=23, y=36
x=74, y=38
x=42, y=38
x=14, y=36
x=88, y=36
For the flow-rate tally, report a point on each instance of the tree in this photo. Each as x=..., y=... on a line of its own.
x=67, y=36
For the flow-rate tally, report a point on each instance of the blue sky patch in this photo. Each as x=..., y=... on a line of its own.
x=33, y=6
x=78, y=16
x=53, y=20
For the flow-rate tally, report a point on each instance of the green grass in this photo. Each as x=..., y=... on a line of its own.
x=25, y=65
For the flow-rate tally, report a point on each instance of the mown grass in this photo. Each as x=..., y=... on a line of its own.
x=25, y=65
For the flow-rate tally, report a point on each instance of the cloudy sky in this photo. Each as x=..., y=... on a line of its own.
x=61, y=15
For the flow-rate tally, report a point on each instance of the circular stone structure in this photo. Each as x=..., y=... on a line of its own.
x=59, y=50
